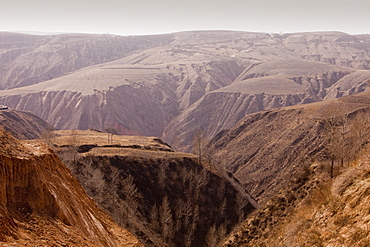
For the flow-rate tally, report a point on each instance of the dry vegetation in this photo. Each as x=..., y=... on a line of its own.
x=328, y=203
x=330, y=212
x=100, y=139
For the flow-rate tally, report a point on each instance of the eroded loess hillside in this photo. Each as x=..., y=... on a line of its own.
x=42, y=204
x=315, y=211
x=265, y=149
x=30, y=59
x=175, y=84
x=164, y=197
x=308, y=167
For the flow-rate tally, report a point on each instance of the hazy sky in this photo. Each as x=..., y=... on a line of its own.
x=129, y=17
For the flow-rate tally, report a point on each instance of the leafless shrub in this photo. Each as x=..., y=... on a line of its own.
x=322, y=195
x=313, y=238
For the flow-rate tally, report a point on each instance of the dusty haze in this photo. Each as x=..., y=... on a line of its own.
x=164, y=16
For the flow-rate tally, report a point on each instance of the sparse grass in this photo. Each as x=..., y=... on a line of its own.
x=334, y=213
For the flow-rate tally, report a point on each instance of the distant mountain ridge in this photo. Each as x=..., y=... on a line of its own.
x=29, y=59
x=166, y=84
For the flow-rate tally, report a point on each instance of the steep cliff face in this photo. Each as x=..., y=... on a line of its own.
x=163, y=197
x=43, y=204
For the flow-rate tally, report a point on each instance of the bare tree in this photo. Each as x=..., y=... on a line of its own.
x=212, y=236
x=166, y=220
x=111, y=131
x=162, y=174
x=154, y=218
x=199, y=180
x=189, y=236
x=178, y=214
x=337, y=127
x=130, y=190
x=222, y=231
x=176, y=143
x=241, y=203
x=188, y=213
x=185, y=175
x=48, y=136
x=221, y=190
x=209, y=158
x=199, y=144
x=69, y=155
x=223, y=207
x=359, y=134
x=74, y=140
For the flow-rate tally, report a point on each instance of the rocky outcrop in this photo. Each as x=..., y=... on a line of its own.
x=43, y=204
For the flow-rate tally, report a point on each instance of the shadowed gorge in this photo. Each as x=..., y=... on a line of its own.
x=163, y=197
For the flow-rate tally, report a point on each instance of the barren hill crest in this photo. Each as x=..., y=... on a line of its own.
x=170, y=85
